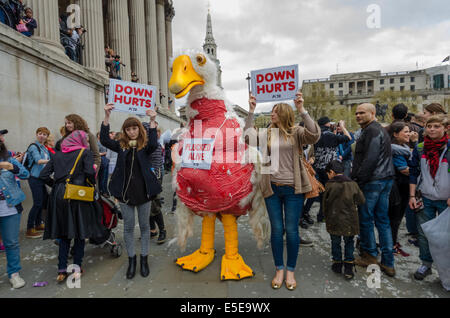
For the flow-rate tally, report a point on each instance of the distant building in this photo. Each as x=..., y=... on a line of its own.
x=360, y=87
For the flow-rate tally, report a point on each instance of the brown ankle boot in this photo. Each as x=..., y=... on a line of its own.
x=32, y=234
x=365, y=260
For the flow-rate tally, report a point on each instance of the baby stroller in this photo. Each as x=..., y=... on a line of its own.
x=111, y=215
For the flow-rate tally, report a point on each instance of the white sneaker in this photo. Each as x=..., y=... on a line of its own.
x=16, y=281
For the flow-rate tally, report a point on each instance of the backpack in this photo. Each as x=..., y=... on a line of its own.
x=27, y=161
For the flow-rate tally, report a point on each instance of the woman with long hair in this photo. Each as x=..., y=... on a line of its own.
x=285, y=187
x=133, y=183
x=75, y=122
x=399, y=197
x=69, y=220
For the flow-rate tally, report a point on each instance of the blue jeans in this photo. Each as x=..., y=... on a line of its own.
x=64, y=249
x=9, y=228
x=284, y=196
x=375, y=211
x=336, y=250
x=431, y=210
x=39, y=193
x=103, y=176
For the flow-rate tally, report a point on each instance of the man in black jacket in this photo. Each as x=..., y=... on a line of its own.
x=373, y=170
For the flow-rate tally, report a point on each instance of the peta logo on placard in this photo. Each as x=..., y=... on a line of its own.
x=275, y=84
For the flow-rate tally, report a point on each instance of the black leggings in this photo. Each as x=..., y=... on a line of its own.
x=397, y=207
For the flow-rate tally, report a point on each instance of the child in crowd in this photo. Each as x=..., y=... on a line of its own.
x=340, y=205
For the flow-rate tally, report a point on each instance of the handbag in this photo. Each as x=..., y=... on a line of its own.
x=22, y=27
x=317, y=187
x=76, y=192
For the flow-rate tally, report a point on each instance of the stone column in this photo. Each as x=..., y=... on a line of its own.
x=152, y=43
x=162, y=51
x=138, y=40
x=92, y=20
x=170, y=14
x=119, y=32
x=47, y=17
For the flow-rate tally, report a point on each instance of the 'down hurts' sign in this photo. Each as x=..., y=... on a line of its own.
x=132, y=98
x=275, y=84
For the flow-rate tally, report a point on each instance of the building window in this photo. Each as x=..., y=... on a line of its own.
x=392, y=80
x=341, y=93
x=331, y=86
x=341, y=85
x=413, y=88
x=392, y=88
x=413, y=79
x=438, y=81
x=381, y=89
x=381, y=81
x=402, y=79
x=402, y=88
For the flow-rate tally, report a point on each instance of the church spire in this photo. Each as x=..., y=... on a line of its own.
x=210, y=45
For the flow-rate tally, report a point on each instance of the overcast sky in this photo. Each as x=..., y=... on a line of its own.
x=321, y=36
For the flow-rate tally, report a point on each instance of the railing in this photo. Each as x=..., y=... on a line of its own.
x=7, y=14
x=67, y=42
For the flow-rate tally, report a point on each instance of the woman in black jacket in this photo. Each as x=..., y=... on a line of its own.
x=133, y=183
x=71, y=219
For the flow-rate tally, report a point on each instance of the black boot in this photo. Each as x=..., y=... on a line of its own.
x=348, y=270
x=131, y=272
x=145, y=271
x=162, y=237
x=337, y=267
x=308, y=218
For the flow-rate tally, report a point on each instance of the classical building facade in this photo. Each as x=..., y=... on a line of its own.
x=429, y=85
x=40, y=85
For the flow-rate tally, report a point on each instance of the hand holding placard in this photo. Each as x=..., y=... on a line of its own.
x=252, y=104
x=299, y=102
x=108, y=109
x=275, y=84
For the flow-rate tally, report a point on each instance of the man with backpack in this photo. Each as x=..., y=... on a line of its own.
x=36, y=158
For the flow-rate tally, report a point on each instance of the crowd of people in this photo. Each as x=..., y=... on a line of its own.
x=372, y=177
x=20, y=17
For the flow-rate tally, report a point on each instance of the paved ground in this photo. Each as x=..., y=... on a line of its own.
x=105, y=275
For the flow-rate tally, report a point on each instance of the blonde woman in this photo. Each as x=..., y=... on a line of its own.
x=285, y=187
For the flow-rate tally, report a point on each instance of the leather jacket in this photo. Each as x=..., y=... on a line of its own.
x=373, y=155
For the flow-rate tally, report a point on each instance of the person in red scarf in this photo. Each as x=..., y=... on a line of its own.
x=69, y=220
x=430, y=181
x=50, y=145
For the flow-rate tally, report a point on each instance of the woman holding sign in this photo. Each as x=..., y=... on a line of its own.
x=133, y=183
x=285, y=187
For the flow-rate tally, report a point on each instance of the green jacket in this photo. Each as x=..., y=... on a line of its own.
x=340, y=205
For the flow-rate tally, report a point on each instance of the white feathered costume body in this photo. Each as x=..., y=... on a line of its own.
x=229, y=189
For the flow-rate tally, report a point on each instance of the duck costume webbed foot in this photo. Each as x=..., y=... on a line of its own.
x=201, y=258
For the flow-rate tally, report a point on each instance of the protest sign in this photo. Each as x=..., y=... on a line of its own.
x=197, y=153
x=275, y=84
x=133, y=98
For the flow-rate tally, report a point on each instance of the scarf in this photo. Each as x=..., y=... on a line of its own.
x=75, y=141
x=432, y=149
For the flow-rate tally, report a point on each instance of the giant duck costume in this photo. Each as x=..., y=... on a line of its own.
x=229, y=189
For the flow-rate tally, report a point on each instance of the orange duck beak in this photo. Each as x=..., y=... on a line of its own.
x=184, y=77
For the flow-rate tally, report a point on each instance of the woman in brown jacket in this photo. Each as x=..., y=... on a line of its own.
x=285, y=185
